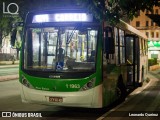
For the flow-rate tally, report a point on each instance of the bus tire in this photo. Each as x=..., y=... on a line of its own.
x=121, y=89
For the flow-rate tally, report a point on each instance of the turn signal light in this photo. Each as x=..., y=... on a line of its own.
x=88, y=85
x=26, y=83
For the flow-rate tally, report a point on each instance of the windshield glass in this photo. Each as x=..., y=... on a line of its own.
x=60, y=49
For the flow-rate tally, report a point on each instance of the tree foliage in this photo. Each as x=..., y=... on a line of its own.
x=6, y=20
x=128, y=9
x=107, y=10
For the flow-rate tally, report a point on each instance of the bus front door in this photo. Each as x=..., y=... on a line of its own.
x=132, y=60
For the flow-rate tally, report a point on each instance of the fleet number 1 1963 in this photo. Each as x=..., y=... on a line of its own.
x=73, y=86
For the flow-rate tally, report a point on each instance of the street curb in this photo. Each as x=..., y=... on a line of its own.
x=8, y=66
x=8, y=62
x=8, y=77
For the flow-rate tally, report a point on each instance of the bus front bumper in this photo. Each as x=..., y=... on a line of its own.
x=91, y=98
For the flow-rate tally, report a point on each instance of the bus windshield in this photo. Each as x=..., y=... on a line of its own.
x=60, y=49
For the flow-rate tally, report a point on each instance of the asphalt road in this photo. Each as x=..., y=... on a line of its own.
x=10, y=100
x=142, y=102
x=7, y=70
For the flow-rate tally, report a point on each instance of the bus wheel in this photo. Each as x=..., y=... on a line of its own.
x=121, y=89
x=119, y=92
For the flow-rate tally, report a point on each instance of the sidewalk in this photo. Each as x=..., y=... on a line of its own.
x=8, y=77
x=153, y=76
x=155, y=73
x=8, y=64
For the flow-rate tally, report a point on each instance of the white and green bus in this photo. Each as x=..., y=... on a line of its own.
x=69, y=58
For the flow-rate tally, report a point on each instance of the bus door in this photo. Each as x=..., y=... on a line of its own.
x=131, y=58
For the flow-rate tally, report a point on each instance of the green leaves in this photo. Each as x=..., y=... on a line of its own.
x=129, y=8
x=7, y=19
x=106, y=10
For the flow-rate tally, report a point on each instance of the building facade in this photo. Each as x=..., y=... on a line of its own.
x=151, y=29
x=6, y=52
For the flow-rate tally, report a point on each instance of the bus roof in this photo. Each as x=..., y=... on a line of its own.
x=125, y=26
x=132, y=29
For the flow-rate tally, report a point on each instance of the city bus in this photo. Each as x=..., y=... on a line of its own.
x=70, y=58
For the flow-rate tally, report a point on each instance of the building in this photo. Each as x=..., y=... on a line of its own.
x=147, y=25
x=6, y=52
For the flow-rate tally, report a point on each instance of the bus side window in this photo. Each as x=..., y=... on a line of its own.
x=109, y=41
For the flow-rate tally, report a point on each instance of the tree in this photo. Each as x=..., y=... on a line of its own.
x=113, y=10
x=18, y=46
x=30, y=5
x=110, y=10
x=6, y=20
x=107, y=10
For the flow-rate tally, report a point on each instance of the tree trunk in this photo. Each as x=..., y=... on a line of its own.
x=0, y=39
x=17, y=54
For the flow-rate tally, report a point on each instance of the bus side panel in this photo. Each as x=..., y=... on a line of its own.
x=97, y=101
x=143, y=68
x=110, y=77
x=143, y=61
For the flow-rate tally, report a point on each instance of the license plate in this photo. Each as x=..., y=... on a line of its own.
x=55, y=99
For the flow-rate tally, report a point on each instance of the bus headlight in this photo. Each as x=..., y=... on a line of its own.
x=26, y=83
x=88, y=85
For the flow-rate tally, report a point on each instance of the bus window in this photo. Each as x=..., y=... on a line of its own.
x=61, y=49
x=116, y=45
x=109, y=41
x=146, y=45
x=122, y=46
x=142, y=46
x=129, y=49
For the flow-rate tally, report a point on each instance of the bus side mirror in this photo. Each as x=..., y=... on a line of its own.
x=109, y=41
x=13, y=36
x=14, y=32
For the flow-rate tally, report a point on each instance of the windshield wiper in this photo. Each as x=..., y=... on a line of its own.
x=71, y=35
